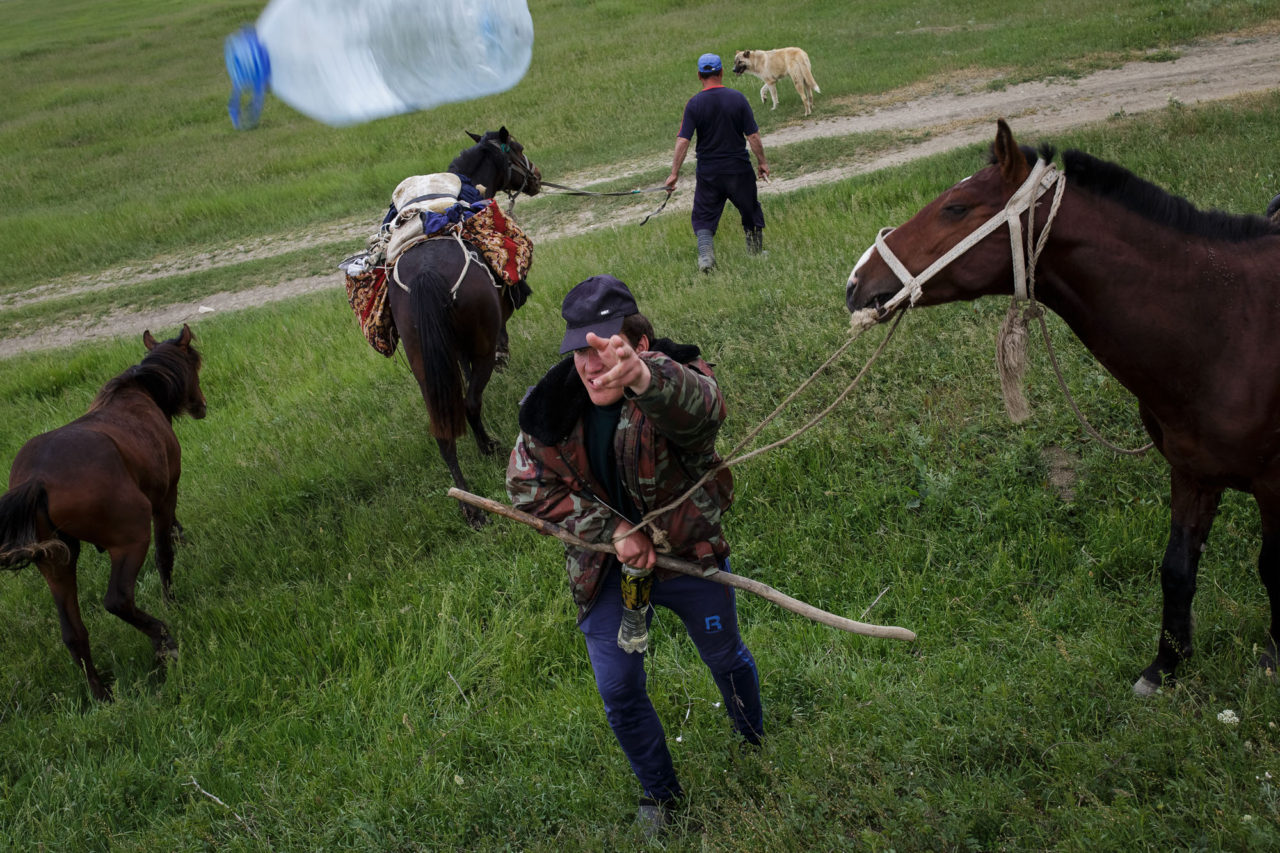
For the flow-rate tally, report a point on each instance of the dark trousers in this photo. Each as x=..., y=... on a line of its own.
x=711, y=191
x=709, y=613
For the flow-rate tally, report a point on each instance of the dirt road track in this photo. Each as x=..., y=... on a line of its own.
x=1208, y=71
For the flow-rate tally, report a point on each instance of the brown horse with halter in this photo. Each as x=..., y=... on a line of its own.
x=1180, y=305
x=451, y=312
x=107, y=478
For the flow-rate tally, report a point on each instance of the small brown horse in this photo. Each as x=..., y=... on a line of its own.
x=453, y=316
x=106, y=478
x=1178, y=304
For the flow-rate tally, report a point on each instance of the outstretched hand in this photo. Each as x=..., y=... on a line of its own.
x=624, y=368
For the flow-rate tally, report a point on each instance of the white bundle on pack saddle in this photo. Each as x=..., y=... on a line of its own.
x=437, y=193
x=415, y=195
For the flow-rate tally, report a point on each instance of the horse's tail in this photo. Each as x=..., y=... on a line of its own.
x=431, y=303
x=20, y=544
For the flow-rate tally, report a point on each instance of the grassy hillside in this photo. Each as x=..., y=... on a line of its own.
x=359, y=670
x=115, y=143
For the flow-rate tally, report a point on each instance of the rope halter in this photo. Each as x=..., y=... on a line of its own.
x=1043, y=176
x=515, y=163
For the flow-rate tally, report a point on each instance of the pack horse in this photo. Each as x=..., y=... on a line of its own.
x=454, y=270
x=1178, y=304
x=107, y=478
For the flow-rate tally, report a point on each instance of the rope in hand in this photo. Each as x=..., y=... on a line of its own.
x=564, y=190
x=649, y=518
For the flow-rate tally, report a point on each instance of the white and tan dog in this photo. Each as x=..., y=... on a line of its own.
x=772, y=65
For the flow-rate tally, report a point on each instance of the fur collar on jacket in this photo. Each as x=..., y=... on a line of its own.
x=550, y=409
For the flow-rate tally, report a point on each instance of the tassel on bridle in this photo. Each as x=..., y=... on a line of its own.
x=1011, y=359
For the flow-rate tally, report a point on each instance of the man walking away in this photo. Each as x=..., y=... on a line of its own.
x=724, y=124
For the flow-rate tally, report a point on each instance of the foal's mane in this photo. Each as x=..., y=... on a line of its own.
x=164, y=374
x=1118, y=184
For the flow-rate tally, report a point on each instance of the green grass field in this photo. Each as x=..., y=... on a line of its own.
x=359, y=670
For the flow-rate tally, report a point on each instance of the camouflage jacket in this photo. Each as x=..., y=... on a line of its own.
x=665, y=441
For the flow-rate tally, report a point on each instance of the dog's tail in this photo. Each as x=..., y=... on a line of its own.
x=808, y=76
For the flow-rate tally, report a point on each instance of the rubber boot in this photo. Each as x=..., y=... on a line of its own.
x=755, y=241
x=706, y=251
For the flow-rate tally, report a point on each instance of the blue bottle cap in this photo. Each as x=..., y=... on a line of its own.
x=250, y=70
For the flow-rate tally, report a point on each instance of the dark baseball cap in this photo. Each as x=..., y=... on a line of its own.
x=598, y=305
x=709, y=62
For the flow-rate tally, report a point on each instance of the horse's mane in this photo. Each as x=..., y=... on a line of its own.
x=1118, y=184
x=471, y=157
x=165, y=375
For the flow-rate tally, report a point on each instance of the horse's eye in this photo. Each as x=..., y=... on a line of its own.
x=956, y=210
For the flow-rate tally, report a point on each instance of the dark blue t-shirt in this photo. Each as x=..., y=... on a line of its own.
x=722, y=119
x=599, y=423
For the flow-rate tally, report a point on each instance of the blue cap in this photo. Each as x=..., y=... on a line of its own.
x=598, y=305
x=709, y=62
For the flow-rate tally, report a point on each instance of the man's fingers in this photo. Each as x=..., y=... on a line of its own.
x=616, y=375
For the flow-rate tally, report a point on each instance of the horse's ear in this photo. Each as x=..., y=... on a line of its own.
x=1013, y=165
x=185, y=338
x=474, y=138
x=148, y=341
x=503, y=135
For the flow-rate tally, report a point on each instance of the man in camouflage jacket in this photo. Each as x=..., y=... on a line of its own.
x=625, y=425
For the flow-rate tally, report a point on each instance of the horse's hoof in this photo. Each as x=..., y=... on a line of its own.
x=1145, y=687
x=166, y=650
x=1267, y=663
x=477, y=520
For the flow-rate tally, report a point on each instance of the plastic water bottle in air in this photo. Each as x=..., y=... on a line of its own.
x=344, y=62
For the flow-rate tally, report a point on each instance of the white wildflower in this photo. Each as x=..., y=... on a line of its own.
x=1228, y=718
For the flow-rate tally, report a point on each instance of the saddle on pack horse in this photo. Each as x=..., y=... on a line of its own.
x=429, y=207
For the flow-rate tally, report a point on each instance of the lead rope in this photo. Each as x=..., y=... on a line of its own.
x=576, y=191
x=659, y=536
x=1032, y=188
x=1084, y=422
x=1034, y=309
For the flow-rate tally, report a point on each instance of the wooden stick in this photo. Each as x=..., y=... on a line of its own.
x=685, y=567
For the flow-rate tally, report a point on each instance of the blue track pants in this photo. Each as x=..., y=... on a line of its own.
x=710, y=615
